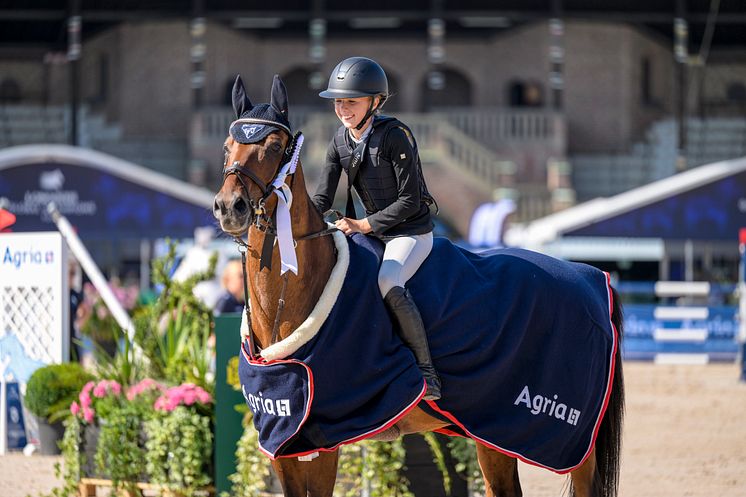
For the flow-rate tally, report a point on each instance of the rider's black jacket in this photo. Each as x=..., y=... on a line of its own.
x=389, y=190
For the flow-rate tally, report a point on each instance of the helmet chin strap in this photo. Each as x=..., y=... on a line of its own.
x=367, y=115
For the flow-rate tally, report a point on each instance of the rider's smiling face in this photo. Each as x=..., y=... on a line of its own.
x=351, y=110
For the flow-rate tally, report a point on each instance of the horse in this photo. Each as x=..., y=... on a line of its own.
x=255, y=194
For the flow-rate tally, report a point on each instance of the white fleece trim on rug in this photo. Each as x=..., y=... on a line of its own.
x=308, y=329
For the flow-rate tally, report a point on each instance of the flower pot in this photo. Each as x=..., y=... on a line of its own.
x=88, y=443
x=49, y=435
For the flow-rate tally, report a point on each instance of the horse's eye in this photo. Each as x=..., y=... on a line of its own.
x=275, y=146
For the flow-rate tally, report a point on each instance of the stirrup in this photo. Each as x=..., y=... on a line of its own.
x=433, y=388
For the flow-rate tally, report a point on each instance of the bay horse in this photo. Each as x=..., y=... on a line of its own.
x=259, y=144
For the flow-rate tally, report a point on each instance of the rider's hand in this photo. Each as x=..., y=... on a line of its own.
x=349, y=226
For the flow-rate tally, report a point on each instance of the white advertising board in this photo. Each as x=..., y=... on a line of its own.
x=34, y=301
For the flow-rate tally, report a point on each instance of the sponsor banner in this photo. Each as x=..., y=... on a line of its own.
x=31, y=259
x=640, y=322
x=646, y=337
x=97, y=203
x=714, y=211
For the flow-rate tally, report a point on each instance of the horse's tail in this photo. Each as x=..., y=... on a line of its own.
x=609, y=438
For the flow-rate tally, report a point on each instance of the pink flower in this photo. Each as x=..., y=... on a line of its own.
x=88, y=386
x=100, y=390
x=85, y=399
x=74, y=408
x=190, y=397
x=88, y=414
x=172, y=404
x=115, y=387
x=185, y=394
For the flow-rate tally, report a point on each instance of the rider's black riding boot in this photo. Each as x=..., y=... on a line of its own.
x=412, y=332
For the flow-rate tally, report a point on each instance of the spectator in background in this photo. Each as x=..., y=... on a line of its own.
x=196, y=260
x=490, y=221
x=75, y=281
x=232, y=298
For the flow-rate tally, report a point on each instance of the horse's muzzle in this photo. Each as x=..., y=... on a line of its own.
x=234, y=213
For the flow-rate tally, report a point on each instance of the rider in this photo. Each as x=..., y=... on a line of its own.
x=378, y=154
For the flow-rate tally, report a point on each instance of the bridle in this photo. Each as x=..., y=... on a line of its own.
x=265, y=222
x=258, y=211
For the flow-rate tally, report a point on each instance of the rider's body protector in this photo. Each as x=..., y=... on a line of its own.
x=388, y=182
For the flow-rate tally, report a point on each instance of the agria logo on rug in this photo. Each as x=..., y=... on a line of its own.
x=258, y=404
x=539, y=404
x=18, y=258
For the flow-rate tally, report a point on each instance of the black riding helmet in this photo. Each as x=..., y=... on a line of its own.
x=358, y=77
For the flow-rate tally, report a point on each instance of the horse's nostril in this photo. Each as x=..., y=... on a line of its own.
x=240, y=206
x=218, y=207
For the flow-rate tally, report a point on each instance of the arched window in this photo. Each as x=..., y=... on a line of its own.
x=445, y=88
x=10, y=91
x=736, y=92
x=525, y=94
x=300, y=92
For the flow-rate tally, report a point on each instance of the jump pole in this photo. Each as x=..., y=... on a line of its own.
x=92, y=270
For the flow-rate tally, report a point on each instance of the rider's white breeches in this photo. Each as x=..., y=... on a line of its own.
x=401, y=259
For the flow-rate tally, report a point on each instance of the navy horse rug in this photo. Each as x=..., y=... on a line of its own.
x=523, y=343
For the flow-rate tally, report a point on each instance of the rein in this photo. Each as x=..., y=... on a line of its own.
x=242, y=249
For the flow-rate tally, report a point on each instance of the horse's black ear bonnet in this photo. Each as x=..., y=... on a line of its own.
x=254, y=122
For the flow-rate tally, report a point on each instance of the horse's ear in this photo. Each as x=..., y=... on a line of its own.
x=241, y=102
x=279, y=97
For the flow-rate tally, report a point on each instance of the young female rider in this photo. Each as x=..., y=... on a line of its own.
x=378, y=155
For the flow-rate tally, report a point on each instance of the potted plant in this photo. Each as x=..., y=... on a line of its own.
x=111, y=445
x=49, y=392
x=179, y=439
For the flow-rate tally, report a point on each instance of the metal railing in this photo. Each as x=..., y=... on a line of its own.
x=500, y=126
x=26, y=124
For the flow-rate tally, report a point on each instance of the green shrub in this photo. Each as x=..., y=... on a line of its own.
x=120, y=451
x=179, y=450
x=51, y=389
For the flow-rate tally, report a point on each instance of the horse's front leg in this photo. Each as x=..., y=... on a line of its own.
x=308, y=478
